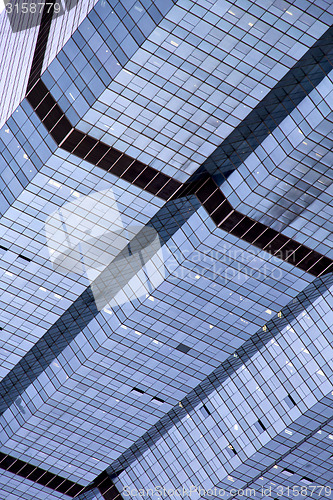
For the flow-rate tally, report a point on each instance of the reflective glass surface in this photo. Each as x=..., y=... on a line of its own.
x=154, y=333
x=286, y=183
x=196, y=77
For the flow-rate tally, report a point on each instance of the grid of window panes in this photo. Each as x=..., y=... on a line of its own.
x=97, y=51
x=219, y=441
x=212, y=283
x=311, y=463
x=117, y=372
x=59, y=181
x=14, y=487
x=17, y=62
x=307, y=470
x=27, y=274
x=63, y=27
x=197, y=76
x=60, y=171
x=14, y=62
x=25, y=146
x=286, y=182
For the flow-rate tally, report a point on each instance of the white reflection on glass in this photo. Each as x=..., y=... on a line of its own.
x=87, y=237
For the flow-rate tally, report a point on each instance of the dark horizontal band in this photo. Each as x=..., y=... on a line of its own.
x=106, y=487
x=201, y=184
x=40, y=476
x=222, y=373
x=282, y=99
x=259, y=235
x=163, y=186
x=159, y=184
x=94, y=151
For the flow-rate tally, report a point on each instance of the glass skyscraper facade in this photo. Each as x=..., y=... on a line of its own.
x=166, y=250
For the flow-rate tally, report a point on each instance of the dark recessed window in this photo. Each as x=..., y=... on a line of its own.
x=25, y=258
x=288, y=472
x=158, y=400
x=231, y=450
x=183, y=348
x=306, y=480
x=260, y=426
x=289, y=400
x=138, y=391
x=204, y=411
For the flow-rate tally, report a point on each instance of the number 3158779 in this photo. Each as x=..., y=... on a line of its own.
x=32, y=8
